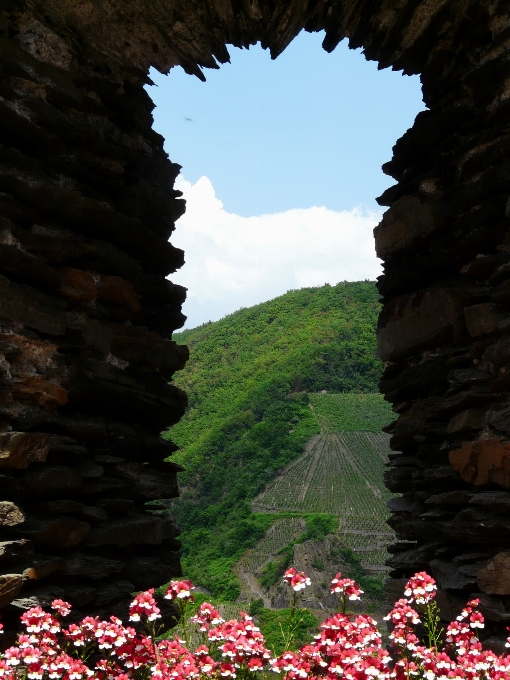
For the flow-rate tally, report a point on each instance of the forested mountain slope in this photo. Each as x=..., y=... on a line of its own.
x=248, y=381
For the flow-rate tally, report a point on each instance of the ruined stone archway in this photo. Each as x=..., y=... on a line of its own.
x=86, y=208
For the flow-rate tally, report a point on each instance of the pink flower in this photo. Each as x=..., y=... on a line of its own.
x=421, y=588
x=297, y=580
x=227, y=670
x=12, y=656
x=476, y=620
x=61, y=607
x=180, y=590
x=145, y=605
x=206, y=615
x=402, y=614
x=346, y=586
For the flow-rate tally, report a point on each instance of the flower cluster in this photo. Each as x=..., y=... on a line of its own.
x=180, y=590
x=241, y=644
x=297, y=580
x=144, y=604
x=346, y=587
x=421, y=588
x=347, y=646
x=206, y=616
x=343, y=648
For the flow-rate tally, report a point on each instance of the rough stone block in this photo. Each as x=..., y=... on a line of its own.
x=150, y=485
x=409, y=219
x=148, y=572
x=497, y=501
x=61, y=532
x=501, y=419
x=132, y=531
x=91, y=566
x=494, y=578
x=10, y=514
x=501, y=293
x=419, y=320
x=470, y=419
x=89, y=470
x=97, y=336
x=483, y=462
x=61, y=507
x=458, y=497
x=116, y=291
x=41, y=596
x=24, y=305
x=23, y=267
x=148, y=350
x=19, y=449
x=51, y=479
x=41, y=567
x=483, y=319
x=454, y=577
x=113, y=590
x=93, y=515
x=497, y=354
x=16, y=549
x=478, y=527
x=80, y=595
x=10, y=585
x=35, y=388
x=77, y=284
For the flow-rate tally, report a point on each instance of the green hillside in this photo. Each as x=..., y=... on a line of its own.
x=249, y=417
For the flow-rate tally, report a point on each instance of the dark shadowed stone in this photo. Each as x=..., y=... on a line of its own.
x=10, y=585
x=62, y=507
x=16, y=549
x=459, y=497
x=81, y=564
x=497, y=501
x=25, y=305
x=483, y=319
x=19, y=449
x=42, y=566
x=38, y=596
x=148, y=572
x=501, y=420
x=62, y=532
x=132, y=530
x=474, y=525
x=452, y=576
x=50, y=480
x=110, y=591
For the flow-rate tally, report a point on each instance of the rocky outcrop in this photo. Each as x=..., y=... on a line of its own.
x=87, y=206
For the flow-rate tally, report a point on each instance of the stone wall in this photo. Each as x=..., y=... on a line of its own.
x=86, y=316
x=88, y=205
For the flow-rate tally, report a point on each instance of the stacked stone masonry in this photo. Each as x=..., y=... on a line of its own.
x=86, y=316
x=87, y=206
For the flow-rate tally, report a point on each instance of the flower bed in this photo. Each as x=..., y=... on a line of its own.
x=347, y=646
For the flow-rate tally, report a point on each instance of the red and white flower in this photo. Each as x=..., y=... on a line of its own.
x=297, y=580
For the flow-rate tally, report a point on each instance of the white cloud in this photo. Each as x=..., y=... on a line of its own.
x=234, y=261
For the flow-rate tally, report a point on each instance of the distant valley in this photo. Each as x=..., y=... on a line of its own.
x=283, y=448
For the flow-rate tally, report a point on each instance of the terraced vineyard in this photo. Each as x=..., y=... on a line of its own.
x=279, y=534
x=340, y=473
x=350, y=412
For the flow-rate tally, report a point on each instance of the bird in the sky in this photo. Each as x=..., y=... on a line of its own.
x=189, y=120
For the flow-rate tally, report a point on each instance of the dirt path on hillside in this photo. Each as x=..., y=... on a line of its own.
x=253, y=589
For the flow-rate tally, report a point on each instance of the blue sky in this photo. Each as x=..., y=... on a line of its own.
x=278, y=158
